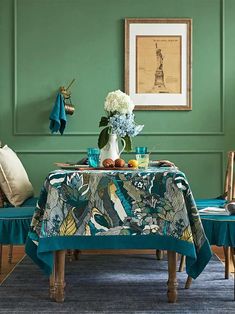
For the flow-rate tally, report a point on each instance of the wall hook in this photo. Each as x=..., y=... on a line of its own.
x=69, y=108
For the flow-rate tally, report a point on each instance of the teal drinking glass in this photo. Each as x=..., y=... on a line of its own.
x=141, y=150
x=142, y=156
x=93, y=155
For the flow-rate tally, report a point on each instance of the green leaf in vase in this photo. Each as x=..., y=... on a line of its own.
x=103, y=121
x=103, y=137
x=128, y=142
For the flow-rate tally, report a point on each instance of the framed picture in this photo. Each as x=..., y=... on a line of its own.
x=158, y=61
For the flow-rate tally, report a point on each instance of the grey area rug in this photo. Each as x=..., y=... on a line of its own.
x=117, y=284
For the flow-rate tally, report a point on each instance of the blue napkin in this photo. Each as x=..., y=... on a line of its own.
x=58, y=115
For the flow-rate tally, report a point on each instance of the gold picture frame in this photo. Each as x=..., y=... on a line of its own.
x=158, y=63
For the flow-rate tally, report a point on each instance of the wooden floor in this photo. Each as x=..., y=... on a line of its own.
x=18, y=254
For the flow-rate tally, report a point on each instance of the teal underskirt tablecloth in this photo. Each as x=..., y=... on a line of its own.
x=219, y=229
x=43, y=253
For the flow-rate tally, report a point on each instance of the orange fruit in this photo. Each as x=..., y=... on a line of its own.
x=133, y=163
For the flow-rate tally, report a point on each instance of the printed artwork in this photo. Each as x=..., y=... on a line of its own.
x=158, y=64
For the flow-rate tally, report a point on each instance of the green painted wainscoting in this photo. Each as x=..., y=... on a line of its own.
x=46, y=43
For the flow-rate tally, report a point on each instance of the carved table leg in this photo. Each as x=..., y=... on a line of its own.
x=52, y=282
x=59, y=275
x=172, y=280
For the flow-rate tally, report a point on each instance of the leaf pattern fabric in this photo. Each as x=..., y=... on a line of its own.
x=128, y=203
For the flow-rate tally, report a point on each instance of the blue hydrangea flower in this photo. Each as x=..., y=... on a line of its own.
x=124, y=124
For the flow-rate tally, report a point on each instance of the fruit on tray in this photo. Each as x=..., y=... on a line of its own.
x=119, y=163
x=108, y=163
x=133, y=163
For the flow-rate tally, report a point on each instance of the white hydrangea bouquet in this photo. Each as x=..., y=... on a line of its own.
x=120, y=119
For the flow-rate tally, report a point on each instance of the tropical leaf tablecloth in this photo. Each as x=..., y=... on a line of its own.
x=97, y=209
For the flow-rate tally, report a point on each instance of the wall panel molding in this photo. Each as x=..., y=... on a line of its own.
x=220, y=132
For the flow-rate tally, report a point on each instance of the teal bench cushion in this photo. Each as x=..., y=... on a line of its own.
x=15, y=222
x=30, y=202
x=16, y=212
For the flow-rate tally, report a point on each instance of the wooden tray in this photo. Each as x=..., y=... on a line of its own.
x=114, y=168
x=86, y=167
x=63, y=165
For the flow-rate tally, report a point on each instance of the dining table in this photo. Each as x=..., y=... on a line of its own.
x=87, y=209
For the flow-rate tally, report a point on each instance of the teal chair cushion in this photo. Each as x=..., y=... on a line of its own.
x=210, y=202
x=219, y=229
x=15, y=222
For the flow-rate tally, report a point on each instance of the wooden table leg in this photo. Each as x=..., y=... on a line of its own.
x=59, y=275
x=172, y=279
x=159, y=254
x=52, y=282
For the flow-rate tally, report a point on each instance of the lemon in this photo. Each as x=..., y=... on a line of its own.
x=133, y=163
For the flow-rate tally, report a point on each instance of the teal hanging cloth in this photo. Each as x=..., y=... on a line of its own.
x=58, y=115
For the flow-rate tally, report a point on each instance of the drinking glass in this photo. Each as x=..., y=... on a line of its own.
x=93, y=155
x=142, y=156
x=141, y=150
x=143, y=160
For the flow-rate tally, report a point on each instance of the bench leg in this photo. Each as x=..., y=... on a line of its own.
x=59, y=275
x=0, y=258
x=10, y=253
x=227, y=256
x=172, y=279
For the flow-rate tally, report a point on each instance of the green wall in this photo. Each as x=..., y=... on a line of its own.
x=46, y=43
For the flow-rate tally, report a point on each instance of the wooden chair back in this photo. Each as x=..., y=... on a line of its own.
x=229, y=184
